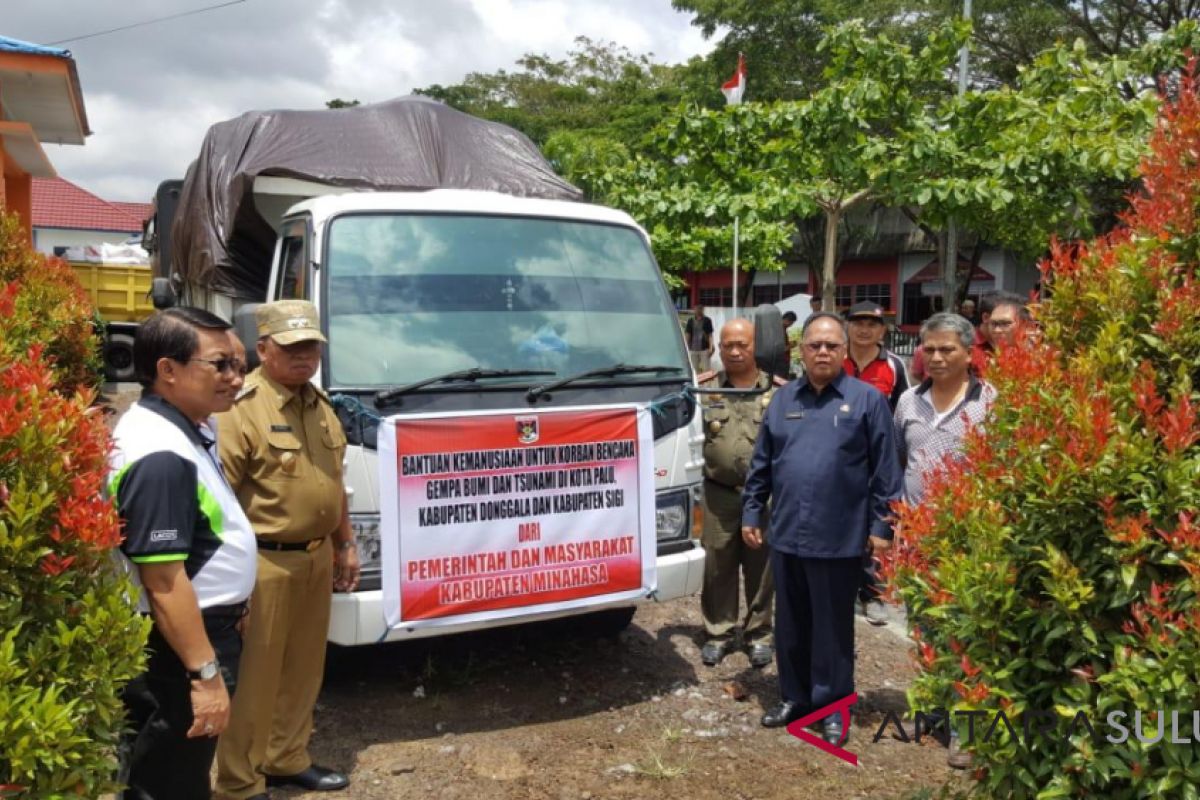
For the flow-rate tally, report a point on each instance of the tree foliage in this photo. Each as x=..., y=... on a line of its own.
x=780, y=39
x=780, y=36
x=1055, y=567
x=600, y=90
x=1014, y=165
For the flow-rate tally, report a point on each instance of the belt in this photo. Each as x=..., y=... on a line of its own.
x=310, y=545
x=737, y=488
x=236, y=610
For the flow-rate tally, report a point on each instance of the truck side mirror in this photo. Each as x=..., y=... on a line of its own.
x=246, y=330
x=162, y=294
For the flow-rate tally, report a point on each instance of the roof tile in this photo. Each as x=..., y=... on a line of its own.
x=58, y=203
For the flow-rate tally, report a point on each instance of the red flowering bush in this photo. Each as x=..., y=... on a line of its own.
x=69, y=631
x=1056, y=568
x=51, y=308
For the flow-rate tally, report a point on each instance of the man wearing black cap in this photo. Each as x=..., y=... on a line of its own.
x=869, y=361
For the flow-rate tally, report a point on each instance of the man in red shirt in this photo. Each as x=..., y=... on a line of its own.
x=869, y=361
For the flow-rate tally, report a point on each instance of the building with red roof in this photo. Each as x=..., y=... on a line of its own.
x=66, y=215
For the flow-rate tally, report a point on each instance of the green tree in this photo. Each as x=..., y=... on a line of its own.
x=771, y=166
x=599, y=90
x=1014, y=166
x=779, y=37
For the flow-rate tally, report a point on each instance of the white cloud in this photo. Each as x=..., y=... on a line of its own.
x=152, y=92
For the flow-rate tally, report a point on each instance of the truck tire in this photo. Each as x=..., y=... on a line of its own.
x=118, y=357
x=770, y=342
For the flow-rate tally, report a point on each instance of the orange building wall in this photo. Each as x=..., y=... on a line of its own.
x=16, y=193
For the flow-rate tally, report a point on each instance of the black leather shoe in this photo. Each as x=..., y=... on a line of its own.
x=315, y=779
x=782, y=714
x=761, y=654
x=714, y=650
x=831, y=729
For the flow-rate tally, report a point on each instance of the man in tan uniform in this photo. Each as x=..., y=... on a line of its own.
x=282, y=446
x=731, y=424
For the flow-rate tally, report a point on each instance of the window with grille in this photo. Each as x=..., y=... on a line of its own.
x=845, y=296
x=880, y=293
x=771, y=293
x=716, y=297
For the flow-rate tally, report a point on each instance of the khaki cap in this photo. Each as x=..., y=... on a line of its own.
x=288, y=321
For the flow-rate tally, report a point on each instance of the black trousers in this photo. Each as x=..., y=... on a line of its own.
x=158, y=761
x=814, y=627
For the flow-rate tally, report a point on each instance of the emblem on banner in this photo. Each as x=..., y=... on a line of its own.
x=527, y=430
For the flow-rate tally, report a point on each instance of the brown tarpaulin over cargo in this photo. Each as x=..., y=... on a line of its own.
x=221, y=242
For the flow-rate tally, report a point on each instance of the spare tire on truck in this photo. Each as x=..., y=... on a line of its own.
x=118, y=357
x=770, y=341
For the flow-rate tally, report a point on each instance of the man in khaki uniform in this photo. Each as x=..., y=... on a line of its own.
x=731, y=424
x=282, y=446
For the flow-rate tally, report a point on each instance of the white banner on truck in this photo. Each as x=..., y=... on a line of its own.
x=489, y=515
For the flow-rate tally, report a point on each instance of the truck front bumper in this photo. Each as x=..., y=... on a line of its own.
x=358, y=618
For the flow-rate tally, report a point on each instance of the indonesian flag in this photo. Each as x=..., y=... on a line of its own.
x=735, y=87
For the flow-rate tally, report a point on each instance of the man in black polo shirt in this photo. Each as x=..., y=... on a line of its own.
x=872, y=363
x=188, y=546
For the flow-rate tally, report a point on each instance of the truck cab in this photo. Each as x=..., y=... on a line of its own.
x=413, y=285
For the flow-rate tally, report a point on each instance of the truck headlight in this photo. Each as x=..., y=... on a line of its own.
x=671, y=516
x=366, y=536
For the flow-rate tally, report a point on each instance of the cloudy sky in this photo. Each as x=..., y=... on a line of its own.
x=151, y=92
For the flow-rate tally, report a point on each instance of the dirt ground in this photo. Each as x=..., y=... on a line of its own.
x=556, y=712
x=551, y=712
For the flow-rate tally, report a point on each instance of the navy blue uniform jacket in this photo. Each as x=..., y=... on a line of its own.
x=828, y=465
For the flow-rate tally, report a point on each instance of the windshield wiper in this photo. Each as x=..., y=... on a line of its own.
x=475, y=373
x=604, y=372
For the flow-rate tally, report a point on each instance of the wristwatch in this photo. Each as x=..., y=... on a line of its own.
x=206, y=672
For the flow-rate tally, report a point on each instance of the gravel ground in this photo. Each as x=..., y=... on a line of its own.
x=552, y=712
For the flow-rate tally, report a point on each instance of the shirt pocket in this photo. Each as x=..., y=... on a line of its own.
x=760, y=413
x=716, y=419
x=333, y=439
x=851, y=432
x=284, y=455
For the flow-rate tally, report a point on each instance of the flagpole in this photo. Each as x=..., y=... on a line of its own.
x=733, y=89
x=735, y=266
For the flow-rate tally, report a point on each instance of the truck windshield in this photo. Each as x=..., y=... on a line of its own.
x=412, y=296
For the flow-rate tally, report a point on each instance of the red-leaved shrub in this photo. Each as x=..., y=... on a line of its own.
x=1056, y=567
x=69, y=631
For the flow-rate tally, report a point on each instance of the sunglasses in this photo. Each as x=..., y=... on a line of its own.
x=225, y=365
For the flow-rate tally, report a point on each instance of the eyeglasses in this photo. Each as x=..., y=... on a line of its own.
x=224, y=365
x=816, y=347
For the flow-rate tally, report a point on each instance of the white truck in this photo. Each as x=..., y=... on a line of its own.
x=452, y=300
